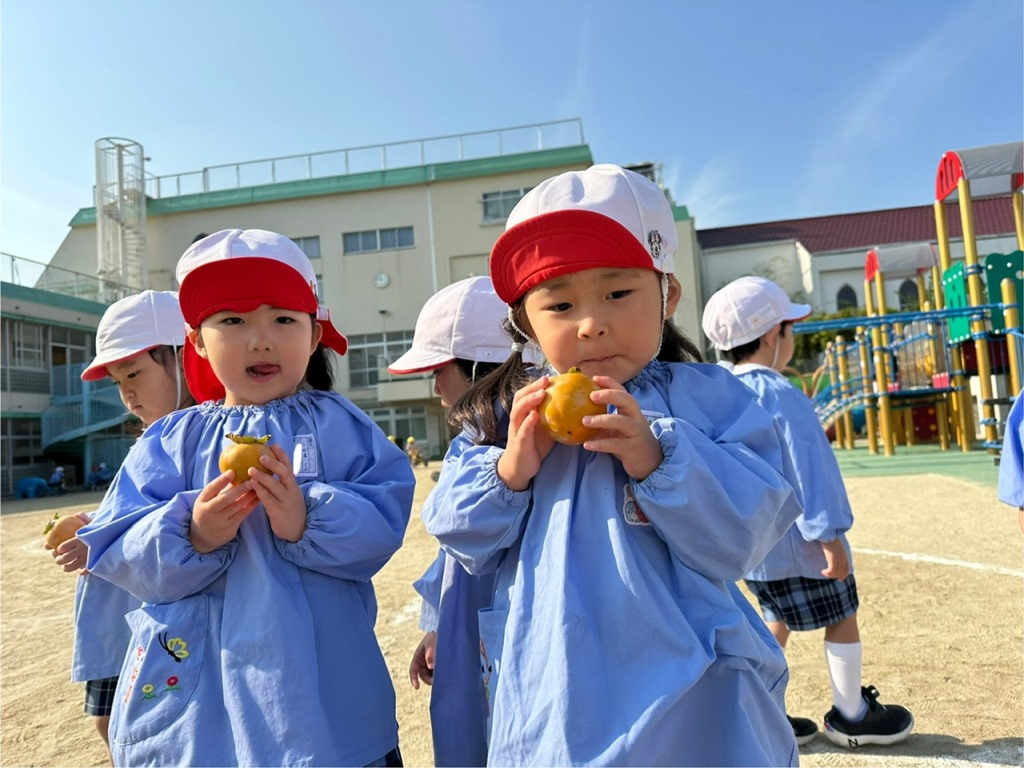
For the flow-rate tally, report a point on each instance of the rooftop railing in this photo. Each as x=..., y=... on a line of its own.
x=378, y=157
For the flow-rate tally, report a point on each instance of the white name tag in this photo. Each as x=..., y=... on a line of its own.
x=304, y=458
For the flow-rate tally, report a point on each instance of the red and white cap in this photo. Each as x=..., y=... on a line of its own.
x=605, y=216
x=133, y=325
x=461, y=321
x=746, y=309
x=240, y=270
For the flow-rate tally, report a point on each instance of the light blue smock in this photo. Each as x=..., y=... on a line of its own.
x=261, y=652
x=1011, y=458
x=618, y=635
x=452, y=600
x=814, y=474
x=101, y=632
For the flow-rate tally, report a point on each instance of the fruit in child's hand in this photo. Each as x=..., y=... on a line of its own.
x=244, y=452
x=566, y=402
x=60, y=529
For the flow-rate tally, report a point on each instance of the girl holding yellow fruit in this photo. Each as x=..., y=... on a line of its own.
x=257, y=596
x=617, y=634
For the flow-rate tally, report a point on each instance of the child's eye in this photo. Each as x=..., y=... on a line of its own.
x=619, y=294
x=564, y=306
x=133, y=374
x=231, y=320
x=285, y=320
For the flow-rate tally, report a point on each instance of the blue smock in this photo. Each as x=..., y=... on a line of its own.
x=618, y=635
x=261, y=652
x=102, y=636
x=452, y=599
x=814, y=474
x=1011, y=459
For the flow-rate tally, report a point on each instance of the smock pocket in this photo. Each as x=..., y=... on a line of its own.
x=492, y=637
x=161, y=670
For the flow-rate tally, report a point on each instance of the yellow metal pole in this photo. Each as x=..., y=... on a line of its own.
x=942, y=236
x=870, y=413
x=1011, y=318
x=975, y=298
x=844, y=388
x=833, y=375
x=1018, y=216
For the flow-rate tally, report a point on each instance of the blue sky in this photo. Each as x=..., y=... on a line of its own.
x=757, y=110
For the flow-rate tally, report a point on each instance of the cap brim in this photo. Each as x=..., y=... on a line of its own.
x=98, y=368
x=798, y=312
x=242, y=285
x=419, y=361
x=559, y=243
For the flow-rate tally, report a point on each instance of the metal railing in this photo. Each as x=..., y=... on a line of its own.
x=378, y=157
x=17, y=270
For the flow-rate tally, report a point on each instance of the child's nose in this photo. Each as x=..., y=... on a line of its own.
x=591, y=327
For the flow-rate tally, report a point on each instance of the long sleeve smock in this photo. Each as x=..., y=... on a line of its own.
x=814, y=473
x=102, y=635
x=1011, y=458
x=618, y=635
x=261, y=652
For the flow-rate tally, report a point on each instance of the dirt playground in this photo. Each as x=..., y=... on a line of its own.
x=939, y=563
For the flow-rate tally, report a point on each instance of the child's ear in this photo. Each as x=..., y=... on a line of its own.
x=675, y=293
x=195, y=336
x=318, y=333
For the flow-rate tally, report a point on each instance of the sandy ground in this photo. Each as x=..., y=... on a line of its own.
x=940, y=565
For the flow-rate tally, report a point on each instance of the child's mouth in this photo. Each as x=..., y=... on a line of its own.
x=262, y=370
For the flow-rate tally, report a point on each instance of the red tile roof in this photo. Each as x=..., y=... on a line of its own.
x=821, y=234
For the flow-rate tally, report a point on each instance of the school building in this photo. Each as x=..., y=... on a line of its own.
x=385, y=227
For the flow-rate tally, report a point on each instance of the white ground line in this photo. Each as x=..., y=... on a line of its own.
x=944, y=561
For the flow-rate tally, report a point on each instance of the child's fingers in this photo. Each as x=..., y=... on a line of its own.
x=217, y=486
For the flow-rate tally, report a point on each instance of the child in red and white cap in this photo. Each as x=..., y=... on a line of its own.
x=139, y=345
x=460, y=339
x=617, y=634
x=255, y=645
x=806, y=582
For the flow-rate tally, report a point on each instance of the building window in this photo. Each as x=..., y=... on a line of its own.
x=378, y=240
x=27, y=349
x=498, y=205
x=402, y=423
x=909, y=299
x=846, y=298
x=308, y=245
x=369, y=352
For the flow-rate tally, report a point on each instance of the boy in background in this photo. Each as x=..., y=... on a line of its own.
x=806, y=582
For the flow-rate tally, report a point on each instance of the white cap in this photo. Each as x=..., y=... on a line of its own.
x=133, y=325
x=605, y=216
x=461, y=321
x=746, y=309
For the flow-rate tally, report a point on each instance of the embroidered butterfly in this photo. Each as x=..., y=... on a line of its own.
x=175, y=647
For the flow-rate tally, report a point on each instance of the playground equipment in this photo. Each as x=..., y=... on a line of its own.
x=910, y=372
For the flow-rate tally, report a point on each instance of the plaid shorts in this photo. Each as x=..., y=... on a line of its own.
x=99, y=696
x=804, y=604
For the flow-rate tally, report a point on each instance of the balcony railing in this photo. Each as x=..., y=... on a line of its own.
x=28, y=273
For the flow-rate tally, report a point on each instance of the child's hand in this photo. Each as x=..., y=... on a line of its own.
x=837, y=564
x=422, y=665
x=528, y=444
x=625, y=433
x=71, y=555
x=281, y=495
x=219, y=509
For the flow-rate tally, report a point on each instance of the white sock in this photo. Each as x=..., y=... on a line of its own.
x=844, y=668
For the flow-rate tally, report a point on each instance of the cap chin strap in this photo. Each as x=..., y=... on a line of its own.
x=775, y=357
x=517, y=329
x=177, y=378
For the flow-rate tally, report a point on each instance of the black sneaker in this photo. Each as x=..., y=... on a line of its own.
x=803, y=728
x=883, y=723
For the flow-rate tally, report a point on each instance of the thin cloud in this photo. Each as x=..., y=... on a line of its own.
x=901, y=92
x=710, y=195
